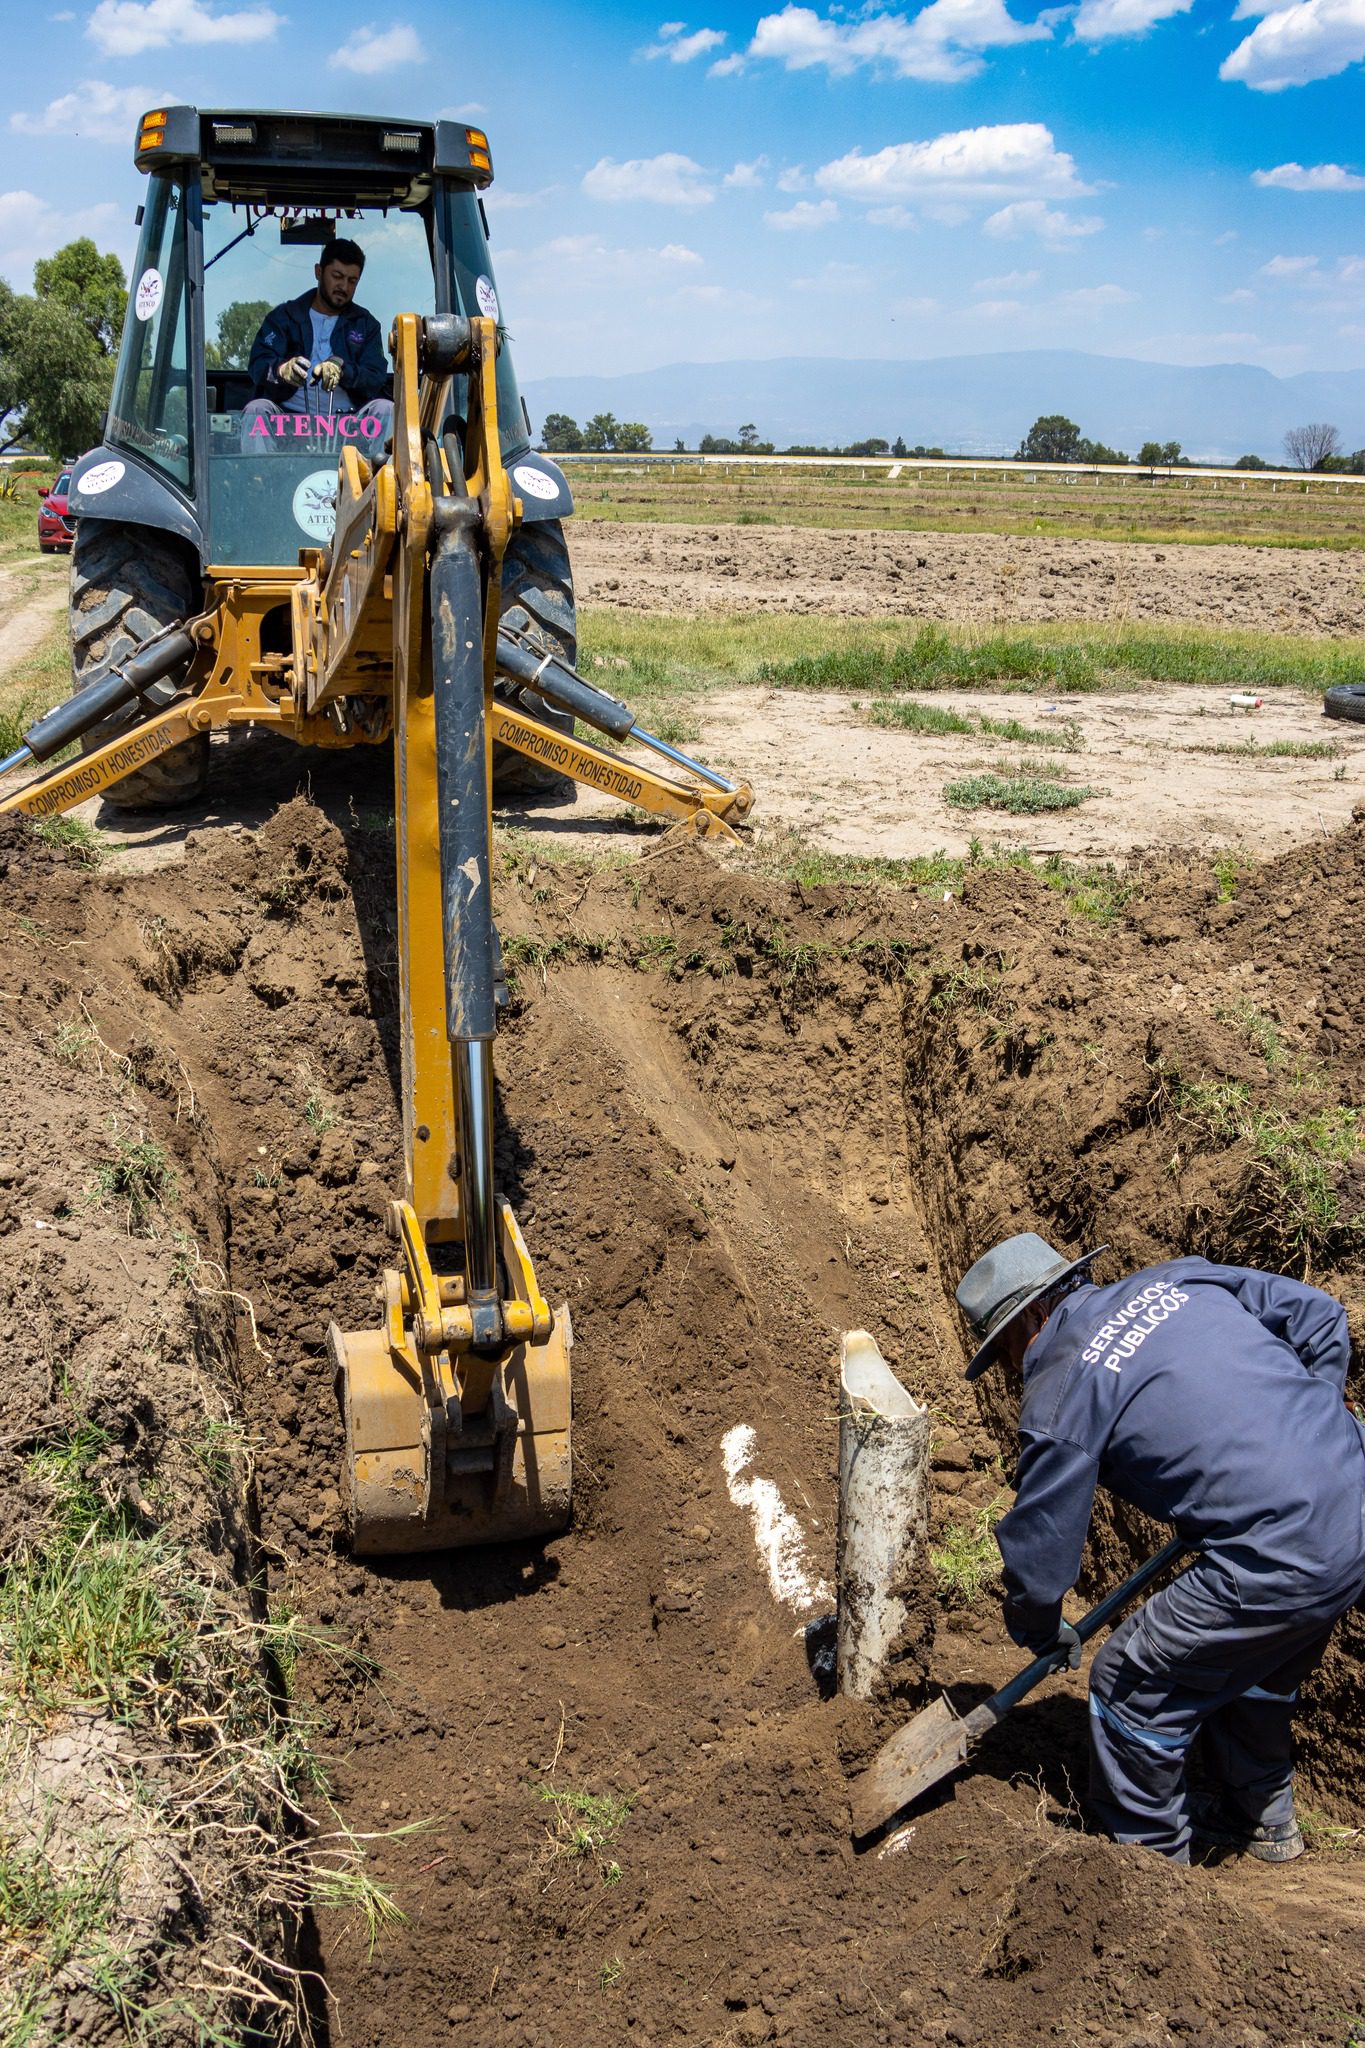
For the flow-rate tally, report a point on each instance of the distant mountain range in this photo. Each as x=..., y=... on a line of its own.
x=971, y=405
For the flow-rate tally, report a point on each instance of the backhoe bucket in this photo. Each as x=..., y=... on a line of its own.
x=421, y=1476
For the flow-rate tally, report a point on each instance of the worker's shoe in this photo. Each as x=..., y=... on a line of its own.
x=1217, y=1824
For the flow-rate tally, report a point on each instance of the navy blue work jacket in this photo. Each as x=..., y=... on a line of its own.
x=1210, y=1397
x=287, y=331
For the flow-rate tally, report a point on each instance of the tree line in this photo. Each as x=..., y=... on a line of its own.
x=604, y=434
x=1054, y=438
x=58, y=345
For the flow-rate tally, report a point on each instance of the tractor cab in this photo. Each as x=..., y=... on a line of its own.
x=202, y=440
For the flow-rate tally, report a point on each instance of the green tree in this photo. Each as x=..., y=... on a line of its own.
x=1096, y=451
x=238, y=326
x=1250, y=462
x=62, y=379
x=1051, y=438
x=1170, y=454
x=717, y=444
x=633, y=438
x=872, y=446
x=748, y=437
x=57, y=348
x=1149, y=454
x=89, y=285
x=600, y=432
x=560, y=435
x=898, y=446
x=679, y=447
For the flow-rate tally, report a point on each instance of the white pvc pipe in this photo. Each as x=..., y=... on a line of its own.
x=883, y=1511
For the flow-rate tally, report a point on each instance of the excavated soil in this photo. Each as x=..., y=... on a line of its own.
x=963, y=577
x=737, y=1116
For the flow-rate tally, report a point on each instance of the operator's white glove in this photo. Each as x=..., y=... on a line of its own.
x=329, y=373
x=296, y=370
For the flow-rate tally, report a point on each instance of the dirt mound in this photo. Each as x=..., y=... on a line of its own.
x=737, y=1116
x=966, y=576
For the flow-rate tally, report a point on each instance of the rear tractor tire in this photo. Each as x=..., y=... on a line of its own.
x=537, y=601
x=127, y=582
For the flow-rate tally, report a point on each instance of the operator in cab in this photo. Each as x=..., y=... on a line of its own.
x=1212, y=1398
x=317, y=364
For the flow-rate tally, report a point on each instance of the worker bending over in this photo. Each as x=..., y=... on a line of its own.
x=1210, y=1397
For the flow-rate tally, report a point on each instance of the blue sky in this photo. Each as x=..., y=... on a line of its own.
x=1181, y=182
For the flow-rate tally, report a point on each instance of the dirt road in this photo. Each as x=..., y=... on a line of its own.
x=963, y=577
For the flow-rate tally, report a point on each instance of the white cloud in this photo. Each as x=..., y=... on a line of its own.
x=1310, y=178
x=995, y=309
x=577, y=262
x=664, y=180
x=1241, y=297
x=807, y=213
x=1032, y=217
x=726, y=67
x=1294, y=44
x=984, y=163
x=678, y=252
x=94, y=111
x=941, y=42
x=1012, y=281
x=370, y=50
x=910, y=308
x=1095, y=298
x=30, y=228
x=793, y=179
x=1099, y=21
x=1284, y=268
x=891, y=217
x=1222, y=241
x=835, y=277
x=124, y=28
x=681, y=49
x=744, y=177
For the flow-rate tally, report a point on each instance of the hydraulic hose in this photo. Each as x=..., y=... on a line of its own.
x=88, y=708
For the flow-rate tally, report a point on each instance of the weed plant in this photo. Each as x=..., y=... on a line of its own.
x=906, y=714
x=74, y=837
x=1019, y=793
x=966, y=1556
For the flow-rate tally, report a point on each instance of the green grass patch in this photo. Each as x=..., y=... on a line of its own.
x=1299, y=1156
x=105, y=1615
x=1066, y=735
x=966, y=1556
x=907, y=715
x=586, y=1823
x=660, y=654
x=80, y=841
x=1274, y=750
x=139, y=1178
x=1021, y=794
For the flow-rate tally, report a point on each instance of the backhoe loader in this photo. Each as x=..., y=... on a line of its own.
x=432, y=610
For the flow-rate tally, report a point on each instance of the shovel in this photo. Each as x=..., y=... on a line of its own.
x=933, y=1745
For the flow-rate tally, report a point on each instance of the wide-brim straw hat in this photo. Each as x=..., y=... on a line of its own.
x=1003, y=1282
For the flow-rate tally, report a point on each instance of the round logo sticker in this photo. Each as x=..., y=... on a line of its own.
x=487, y=298
x=315, y=503
x=102, y=477
x=147, y=297
x=534, y=482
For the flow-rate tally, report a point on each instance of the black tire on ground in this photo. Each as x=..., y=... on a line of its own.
x=126, y=583
x=537, y=599
x=1345, y=700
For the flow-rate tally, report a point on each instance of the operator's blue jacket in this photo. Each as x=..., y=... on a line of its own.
x=287, y=331
x=1211, y=1397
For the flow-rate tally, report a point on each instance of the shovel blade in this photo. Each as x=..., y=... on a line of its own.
x=916, y=1757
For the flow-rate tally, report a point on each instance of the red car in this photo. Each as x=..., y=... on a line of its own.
x=56, y=528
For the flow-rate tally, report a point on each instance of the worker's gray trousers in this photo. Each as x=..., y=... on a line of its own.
x=1195, y=1658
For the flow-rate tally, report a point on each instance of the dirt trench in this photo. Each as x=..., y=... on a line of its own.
x=737, y=1116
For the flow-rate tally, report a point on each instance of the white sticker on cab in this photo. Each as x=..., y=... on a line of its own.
x=102, y=477
x=534, y=482
x=147, y=297
x=487, y=297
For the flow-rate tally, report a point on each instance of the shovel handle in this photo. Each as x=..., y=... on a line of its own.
x=1099, y=1617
